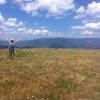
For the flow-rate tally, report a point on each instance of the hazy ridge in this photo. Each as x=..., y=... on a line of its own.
x=91, y=43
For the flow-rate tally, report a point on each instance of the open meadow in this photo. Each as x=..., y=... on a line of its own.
x=50, y=74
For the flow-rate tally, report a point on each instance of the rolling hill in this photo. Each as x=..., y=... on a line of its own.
x=91, y=43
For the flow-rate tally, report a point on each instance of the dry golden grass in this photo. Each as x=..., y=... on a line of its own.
x=50, y=74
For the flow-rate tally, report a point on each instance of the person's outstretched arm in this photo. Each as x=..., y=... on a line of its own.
x=15, y=41
x=8, y=41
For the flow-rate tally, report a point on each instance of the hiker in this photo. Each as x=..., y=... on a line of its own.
x=12, y=48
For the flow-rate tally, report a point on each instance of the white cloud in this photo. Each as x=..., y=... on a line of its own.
x=90, y=22
x=40, y=31
x=87, y=32
x=22, y=29
x=2, y=2
x=81, y=10
x=11, y=22
x=88, y=28
x=12, y=28
x=91, y=26
x=94, y=26
x=1, y=18
x=92, y=10
x=20, y=23
x=77, y=27
x=53, y=7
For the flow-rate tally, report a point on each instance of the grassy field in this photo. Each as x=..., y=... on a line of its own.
x=50, y=74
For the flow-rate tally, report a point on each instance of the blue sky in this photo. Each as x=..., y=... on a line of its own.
x=31, y=19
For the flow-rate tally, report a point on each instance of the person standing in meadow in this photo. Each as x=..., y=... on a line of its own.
x=12, y=43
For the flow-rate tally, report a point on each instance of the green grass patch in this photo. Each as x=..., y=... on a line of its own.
x=8, y=84
x=24, y=53
x=69, y=85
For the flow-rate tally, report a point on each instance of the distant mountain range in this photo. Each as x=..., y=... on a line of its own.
x=91, y=43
